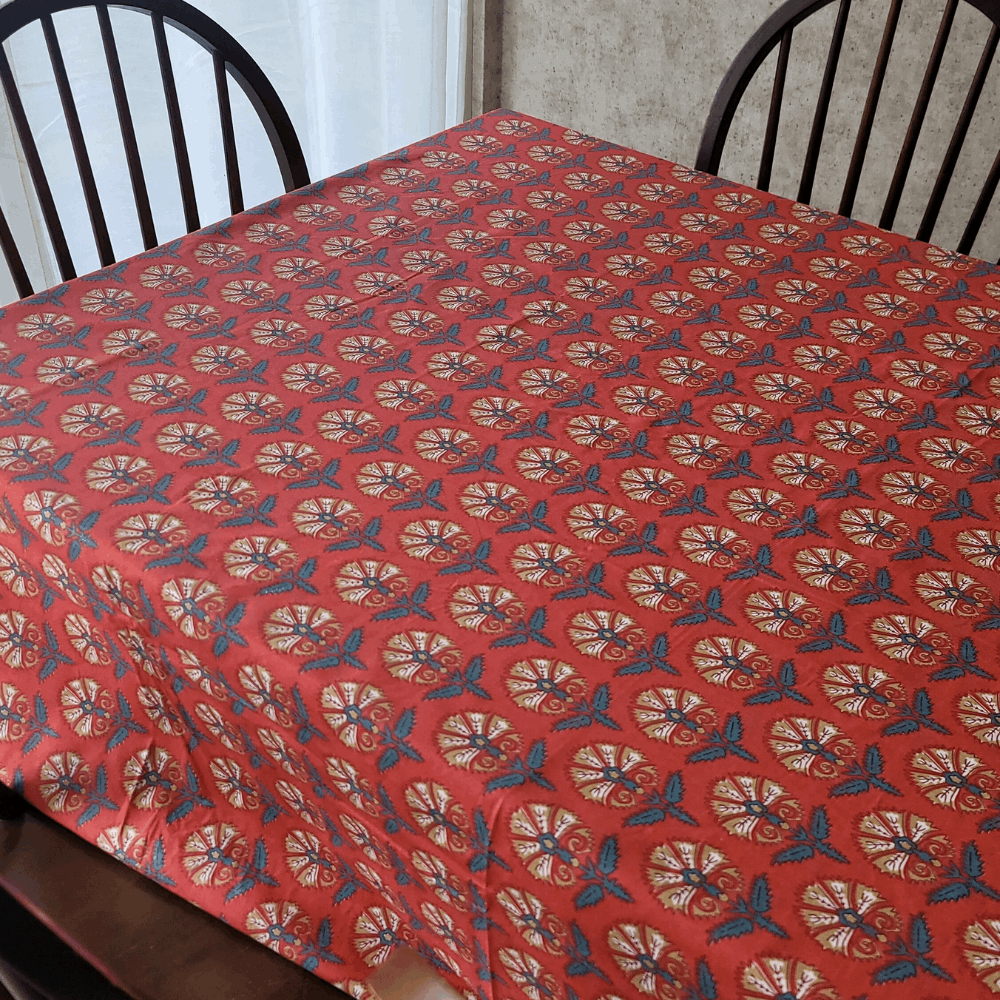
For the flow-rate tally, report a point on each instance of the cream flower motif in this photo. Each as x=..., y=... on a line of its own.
x=782, y=387
x=913, y=489
x=903, y=844
x=159, y=711
x=86, y=706
x=829, y=569
x=850, y=437
x=651, y=962
x=287, y=459
x=282, y=926
x=259, y=558
x=439, y=815
x=504, y=413
x=301, y=629
x=551, y=842
x=745, y=419
x=862, y=690
x=884, y=404
x=982, y=951
x=673, y=715
x=979, y=712
x=529, y=916
x=190, y=603
x=754, y=808
x=299, y=803
x=151, y=777
x=150, y=533
x=355, y=712
x=695, y=879
x=551, y=466
x=803, y=469
x=612, y=774
x=784, y=979
x=63, y=780
x=647, y=484
x=420, y=657
x=435, y=541
x=909, y=638
x=764, y=507
x=51, y=514
x=238, y=787
x=597, y=431
x=352, y=784
x=529, y=974
x=20, y=641
x=124, y=843
x=606, y=524
x=490, y=501
x=848, y=918
x=604, y=634
x=871, y=527
x=309, y=860
x=781, y=612
x=477, y=741
x=951, y=592
x=953, y=779
x=484, y=608
x=713, y=545
x=370, y=583
x=642, y=400
x=14, y=713
x=545, y=685
x=813, y=747
x=326, y=517
x=729, y=661
x=377, y=931
x=388, y=480
x=951, y=454
x=548, y=564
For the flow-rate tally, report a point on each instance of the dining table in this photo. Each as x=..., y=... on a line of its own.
x=574, y=567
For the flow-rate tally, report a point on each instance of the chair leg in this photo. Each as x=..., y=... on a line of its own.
x=12, y=806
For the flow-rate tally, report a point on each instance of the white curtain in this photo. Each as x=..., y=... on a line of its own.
x=359, y=78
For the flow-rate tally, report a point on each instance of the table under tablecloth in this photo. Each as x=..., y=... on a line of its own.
x=568, y=564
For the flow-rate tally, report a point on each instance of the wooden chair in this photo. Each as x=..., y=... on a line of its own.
x=778, y=29
x=228, y=56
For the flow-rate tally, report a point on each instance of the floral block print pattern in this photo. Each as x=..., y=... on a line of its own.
x=569, y=565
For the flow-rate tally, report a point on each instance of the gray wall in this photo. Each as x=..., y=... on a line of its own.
x=643, y=73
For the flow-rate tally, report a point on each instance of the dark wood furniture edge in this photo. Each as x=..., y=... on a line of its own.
x=147, y=941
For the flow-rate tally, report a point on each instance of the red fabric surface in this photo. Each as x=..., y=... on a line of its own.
x=573, y=566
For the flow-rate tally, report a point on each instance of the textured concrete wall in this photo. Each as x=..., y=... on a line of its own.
x=643, y=73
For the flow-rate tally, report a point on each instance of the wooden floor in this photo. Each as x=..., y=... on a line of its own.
x=148, y=942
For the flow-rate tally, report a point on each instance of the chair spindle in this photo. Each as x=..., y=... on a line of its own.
x=823, y=104
x=36, y=170
x=979, y=212
x=139, y=193
x=774, y=113
x=958, y=138
x=228, y=136
x=917, y=120
x=105, y=253
x=868, y=115
x=176, y=126
x=15, y=265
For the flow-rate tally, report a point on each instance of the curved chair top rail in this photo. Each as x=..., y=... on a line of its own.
x=777, y=30
x=228, y=56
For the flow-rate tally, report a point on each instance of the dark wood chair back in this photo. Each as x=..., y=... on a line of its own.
x=777, y=30
x=229, y=59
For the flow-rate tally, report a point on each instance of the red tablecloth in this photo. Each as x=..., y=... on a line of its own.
x=576, y=567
